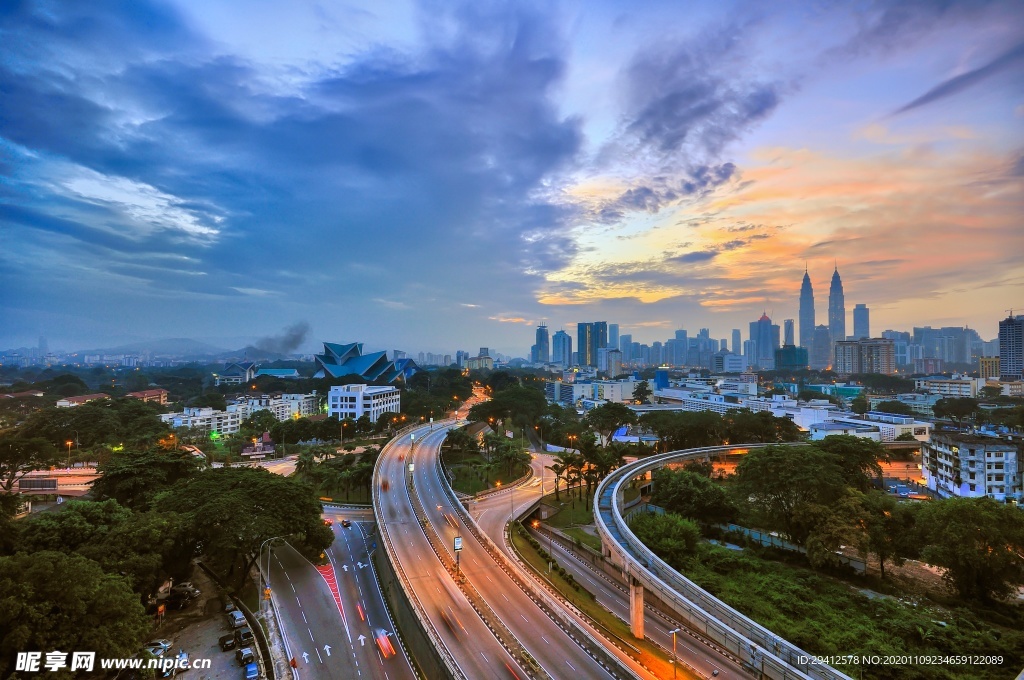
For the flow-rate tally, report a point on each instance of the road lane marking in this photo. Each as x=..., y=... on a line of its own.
x=503, y=595
x=303, y=616
x=544, y=639
x=570, y=665
x=525, y=619
x=311, y=635
x=293, y=586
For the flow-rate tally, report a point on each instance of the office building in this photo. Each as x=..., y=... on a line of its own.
x=861, y=322
x=626, y=347
x=836, y=308
x=541, y=350
x=737, y=343
x=589, y=338
x=561, y=349
x=806, y=312
x=613, y=335
x=821, y=348
x=1011, y=348
x=955, y=386
x=765, y=336
x=355, y=401
x=873, y=355
x=788, y=335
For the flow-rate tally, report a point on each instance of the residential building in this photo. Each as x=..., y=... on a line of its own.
x=71, y=402
x=614, y=363
x=235, y=373
x=158, y=395
x=565, y=392
x=348, y=359
x=1011, y=348
x=836, y=308
x=972, y=466
x=284, y=406
x=956, y=386
x=476, y=363
x=861, y=322
x=355, y=401
x=988, y=367
x=806, y=315
x=613, y=336
x=873, y=355
x=626, y=347
x=208, y=419
x=590, y=337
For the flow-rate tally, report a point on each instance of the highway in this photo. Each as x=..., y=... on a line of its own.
x=556, y=654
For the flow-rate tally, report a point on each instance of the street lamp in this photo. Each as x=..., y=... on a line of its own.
x=674, y=650
x=69, y=443
x=266, y=574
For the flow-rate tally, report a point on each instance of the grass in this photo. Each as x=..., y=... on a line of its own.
x=612, y=626
x=574, y=511
x=583, y=537
x=471, y=479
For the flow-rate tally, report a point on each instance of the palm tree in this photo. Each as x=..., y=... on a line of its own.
x=559, y=470
x=305, y=463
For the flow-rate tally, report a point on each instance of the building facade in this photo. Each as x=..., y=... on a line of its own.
x=806, y=311
x=356, y=401
x=971, y=467
x=988, y=367
x=874, y=355
x=215, y=422
x=836, y=308
x=861, y=322
x=1011, y=348
x=561, y=349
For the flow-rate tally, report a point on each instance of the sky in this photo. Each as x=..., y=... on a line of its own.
x=443, y=175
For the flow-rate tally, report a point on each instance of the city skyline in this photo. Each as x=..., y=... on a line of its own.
x=444, y=178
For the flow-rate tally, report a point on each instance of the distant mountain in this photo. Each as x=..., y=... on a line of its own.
x=182, y=347
x=251, y=353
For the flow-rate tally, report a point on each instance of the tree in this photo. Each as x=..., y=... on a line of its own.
x=671, y=537
x=859, y=404
x=133, y=478
x=693, y=496
x=979, y=542
x=231, y=511
x=783, y=483
x=256, y=424
x=989, y=392
x=21, y=455
x=888, y=526
x=743, y=426
x=214, y=400
x=858, y=458
x=609, y=417
x=642, y=392
x=54, y=601
x=897, y=407
x=955, y=408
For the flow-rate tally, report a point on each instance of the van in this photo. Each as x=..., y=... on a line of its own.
x=236, y=619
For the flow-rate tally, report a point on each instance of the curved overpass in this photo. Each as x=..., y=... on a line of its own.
x=757, y=646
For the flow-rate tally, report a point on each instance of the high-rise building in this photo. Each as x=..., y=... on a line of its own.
x=679, y=348
x=789, y=336
x=1011, y=348
x=542, y=351
x=836, y=308
x=484, y=352
x=791, y=358
x=861, y=322
x=765, y=336
x=561, y=349
x=806, y=311
x=460, y=358
x=988, y=367
x=737, y=344
x=589, y=337
x=870, y=355
x=613, y=335
x=626, y=347
x=821, y=348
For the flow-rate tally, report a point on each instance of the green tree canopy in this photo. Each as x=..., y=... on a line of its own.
x=523, y=405
x=671, y=537
x=693, y=496
x=133, y=478
x=232, y=511
x=608, y=417
x=20, y=455
x=55, y=601
x=858, y=458
x=956, y=408
x=979, y=541
x=642, y=392
x=897, y=407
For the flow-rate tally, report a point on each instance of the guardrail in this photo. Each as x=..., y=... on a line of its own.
x=444, y=655
x=754, y=644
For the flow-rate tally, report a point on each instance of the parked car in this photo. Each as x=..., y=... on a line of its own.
x=227, y=642
x=160, y=642
x=243, y=636
x=228, y=604
x=178, y=601
x=186, y=588
x=252, y=671
x=181, y=659
x=155, y=650
x=245, y=656
x=236, y=619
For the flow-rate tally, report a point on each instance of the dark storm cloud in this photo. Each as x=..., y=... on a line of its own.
x=688, y=95
x=697, y=256
x=662, y=191
x=406, y=160
x=1011, y=58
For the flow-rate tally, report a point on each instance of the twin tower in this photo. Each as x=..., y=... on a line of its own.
x=836, y=310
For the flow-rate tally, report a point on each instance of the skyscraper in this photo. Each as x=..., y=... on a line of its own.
x=821, y=348
x=836, y=308
x=543, y=351
x=590, y=336
x=613, y=335
x=737, y=345
x=861, y=322
x=765, y=336
x=626, y=346
x=561, y=349
x=788, y=326
x=806, y=311
x=1011, y=348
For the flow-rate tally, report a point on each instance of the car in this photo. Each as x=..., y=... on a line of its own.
x=178, y=601
x=252, y=671
x=160, y=642
x=236, y=619
x=180, y=664
x=227, y=603
x=387, y=650
x=244, y=636
x=226, y=642
x=186, y=589
x=245, y=656
x=346, y=523
x=155, y=650
x=328, y=521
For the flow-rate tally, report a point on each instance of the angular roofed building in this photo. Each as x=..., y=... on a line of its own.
x=348, y=359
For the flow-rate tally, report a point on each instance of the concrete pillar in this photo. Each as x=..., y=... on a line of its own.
x=636, y=608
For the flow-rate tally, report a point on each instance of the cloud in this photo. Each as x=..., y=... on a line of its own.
x=288, y=341
x=697, y=256
x=957, y=84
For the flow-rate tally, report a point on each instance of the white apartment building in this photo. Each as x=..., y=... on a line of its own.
x=355, y=401
x=957, y=386
x=284, y=406
x=206, y=418
x=971, y=466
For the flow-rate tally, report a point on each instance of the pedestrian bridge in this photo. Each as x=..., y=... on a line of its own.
x=756, y=646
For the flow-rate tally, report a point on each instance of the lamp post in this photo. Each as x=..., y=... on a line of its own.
x=674, y=650
x=69, y=442
x=266, y=574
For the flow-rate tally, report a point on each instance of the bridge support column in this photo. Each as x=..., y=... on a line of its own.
x=636, y=608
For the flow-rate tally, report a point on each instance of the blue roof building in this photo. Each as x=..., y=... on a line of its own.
x=341, y=360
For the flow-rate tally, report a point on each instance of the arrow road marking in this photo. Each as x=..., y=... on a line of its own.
x=305, y=657
x=345, y=567
x=362, y=640
x=327, y=648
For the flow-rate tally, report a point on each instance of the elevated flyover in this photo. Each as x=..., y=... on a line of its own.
x=758, y=648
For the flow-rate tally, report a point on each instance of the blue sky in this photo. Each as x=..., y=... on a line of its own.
x=444, y=176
